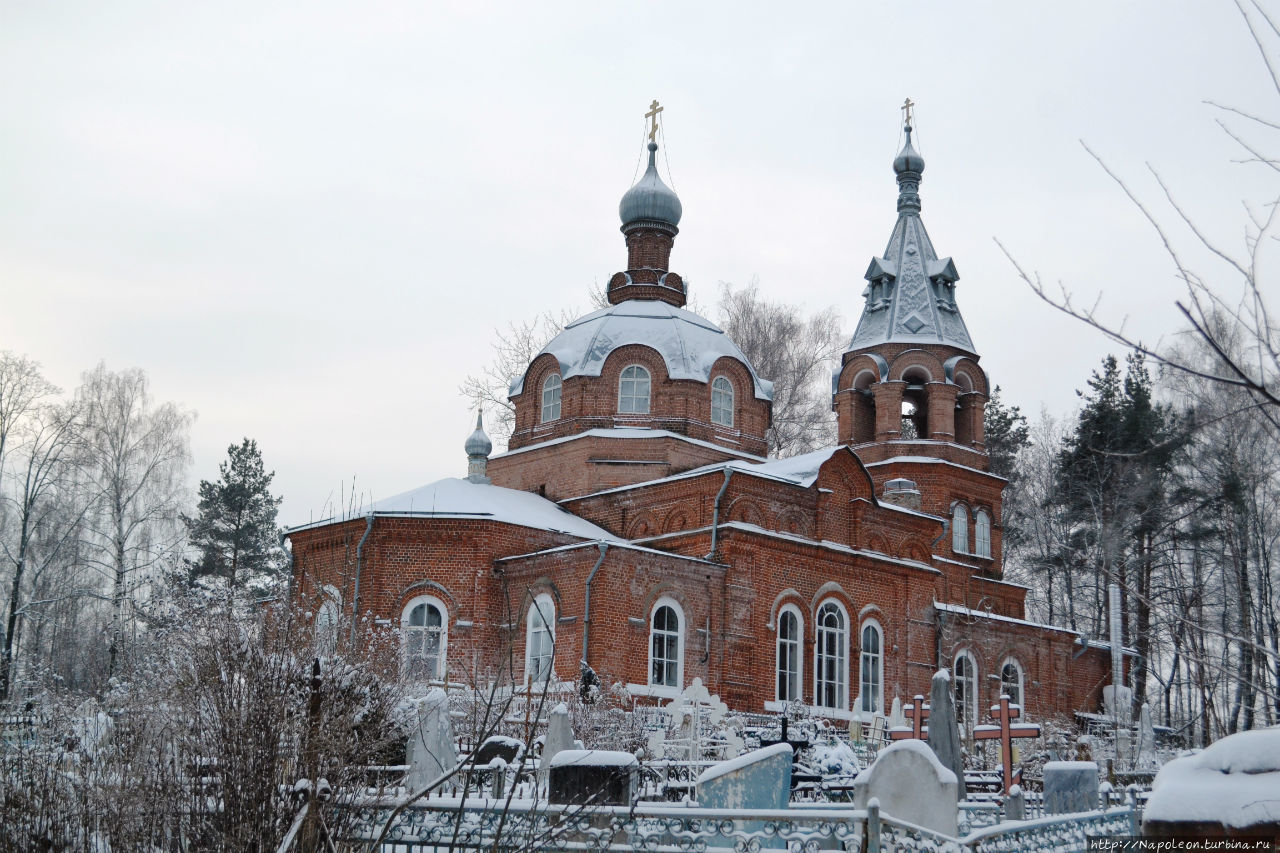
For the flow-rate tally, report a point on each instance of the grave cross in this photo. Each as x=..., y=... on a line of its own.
x=918, y=712
x=1005, y=713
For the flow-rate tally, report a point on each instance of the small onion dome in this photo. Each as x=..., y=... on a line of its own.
x=650, y=200
x=908, y=160
x=478, y=444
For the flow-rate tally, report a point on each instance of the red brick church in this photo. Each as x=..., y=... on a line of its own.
x=636, y=525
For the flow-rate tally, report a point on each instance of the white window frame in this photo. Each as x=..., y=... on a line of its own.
x=960, y=529
x=722, y=401
x=407, y=632
x=666, y=635
x=1021, y=681
x=551, y=407
x=540, y=642
x=982, y=533
x=789, y=660
x=629, y=383
x=871, y=691
x=826, y=642
x=966, y=689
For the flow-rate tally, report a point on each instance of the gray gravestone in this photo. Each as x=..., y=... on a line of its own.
x=944, y=730
x=559, y=733
x=1015, y=805
x=760, y=779
x=595, y=776
x=912, y=785
x=432, y=751
x=1070, y=786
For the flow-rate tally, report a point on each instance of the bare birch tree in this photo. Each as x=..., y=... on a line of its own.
x=134, y=456
x=797, y=353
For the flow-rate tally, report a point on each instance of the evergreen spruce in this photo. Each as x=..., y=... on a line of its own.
x=235, y=531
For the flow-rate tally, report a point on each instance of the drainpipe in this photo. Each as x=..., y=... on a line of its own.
x=946, y=525
x=355, y=598
x=715, y=513
x=586, y=608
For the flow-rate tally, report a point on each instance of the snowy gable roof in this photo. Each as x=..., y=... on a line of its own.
x=455, y=498
x=688, y=344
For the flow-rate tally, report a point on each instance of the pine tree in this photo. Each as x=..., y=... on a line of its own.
x=235, y=530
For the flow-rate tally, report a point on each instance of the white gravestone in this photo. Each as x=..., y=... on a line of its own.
x=912, y=785
x=432, y=751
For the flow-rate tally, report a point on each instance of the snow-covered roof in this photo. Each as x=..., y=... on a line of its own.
x=1234, y=782
x=630, y=433
x=799, y=470
x=455, y=498
x=688, y=344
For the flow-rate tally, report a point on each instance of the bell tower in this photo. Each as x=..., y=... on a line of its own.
x=911, y=372
x=909, y=395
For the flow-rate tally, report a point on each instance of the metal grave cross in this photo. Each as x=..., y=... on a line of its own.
x=918, y=712
x=652, y=115
x=1005, y=713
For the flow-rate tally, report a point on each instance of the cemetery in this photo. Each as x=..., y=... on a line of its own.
x=703, y=778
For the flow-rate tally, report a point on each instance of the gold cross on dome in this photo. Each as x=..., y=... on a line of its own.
x=906, y=111
x=652, y=115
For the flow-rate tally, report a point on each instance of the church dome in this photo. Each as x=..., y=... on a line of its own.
x=689, y=345
x=478, y=443
x=650, y=200
x=908, y=160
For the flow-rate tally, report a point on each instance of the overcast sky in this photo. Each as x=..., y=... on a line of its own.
x=304, y=221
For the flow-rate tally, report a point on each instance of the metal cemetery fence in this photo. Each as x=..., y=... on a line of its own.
x=520, y=825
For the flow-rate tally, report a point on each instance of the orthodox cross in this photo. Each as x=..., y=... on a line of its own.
x=652, y=115
x=918, y=712
x=1005, y=713
x=906, y=111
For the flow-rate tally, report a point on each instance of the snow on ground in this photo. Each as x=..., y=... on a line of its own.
x=1234, y=782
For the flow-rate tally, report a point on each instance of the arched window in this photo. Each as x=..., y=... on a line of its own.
x=425, y=625
x=722, y=401
x=982, y=533
x=540, y=640
x=1011, y=681
x=790, y=630
x=551, y=388
x=960, y=529
x=871, y=668
x=326, y=624
x=666, y=644
x=965, y=674
x=633, y=390
x=831, y=637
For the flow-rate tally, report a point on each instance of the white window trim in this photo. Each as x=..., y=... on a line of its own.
x=558, y=388
x=960, y=529
x=667, y=601
x=872, y=623
x=777, y=653
x=1022, y=679
x=982, y=543
x=971, y=715
x=648, y=397
x=442, y=665
x=843, y=698
x=544, y=605
x=727, y=389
